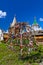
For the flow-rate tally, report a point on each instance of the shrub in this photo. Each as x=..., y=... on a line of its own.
x=34, y=64
x=25, y=41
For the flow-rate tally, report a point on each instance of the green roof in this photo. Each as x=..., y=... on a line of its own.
x=35, y=22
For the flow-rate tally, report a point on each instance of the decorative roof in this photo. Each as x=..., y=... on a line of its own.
x=35, y=22
x=36, y=26
x=14, y=22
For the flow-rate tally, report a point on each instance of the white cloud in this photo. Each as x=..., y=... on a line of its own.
x=41, y=19
x=2, y=14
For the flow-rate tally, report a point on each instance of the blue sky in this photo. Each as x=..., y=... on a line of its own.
x=25, y=10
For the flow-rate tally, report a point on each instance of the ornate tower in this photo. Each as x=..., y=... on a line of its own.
x=35, y=25
x=14, y=22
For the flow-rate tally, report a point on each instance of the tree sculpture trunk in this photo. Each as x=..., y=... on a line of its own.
x=21, y=40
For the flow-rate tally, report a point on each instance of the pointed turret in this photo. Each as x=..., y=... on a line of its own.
x=35, y=25
x=14, y=22
x=35, y=22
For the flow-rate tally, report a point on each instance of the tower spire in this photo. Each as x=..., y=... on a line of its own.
x=14, y=21
x=35, y=22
